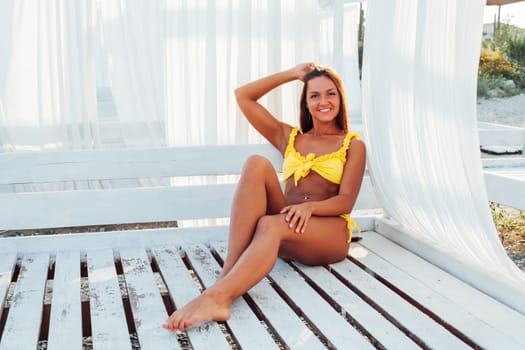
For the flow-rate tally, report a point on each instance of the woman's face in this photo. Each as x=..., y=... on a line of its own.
x=322, y=99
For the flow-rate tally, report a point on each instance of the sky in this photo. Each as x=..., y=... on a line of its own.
x=512, y=13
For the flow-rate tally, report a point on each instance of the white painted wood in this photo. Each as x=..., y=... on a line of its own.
x=380, y=328
x=108, y=321
x=287, y=324
x=54, y=166
x=498, y=134
x=423, y=327
x=481, y=318
x=97, y=207
x=506, y=186
x=32, y=210
x=65, y=327
x=127, y=205
x=243, y=322
x=503, y=162
x=339, y=332
x=131, y=238
x=491, y=283
x=115, y=239
x=7, y=265
x=25, y=314
x=182, y=290
x=146, y=303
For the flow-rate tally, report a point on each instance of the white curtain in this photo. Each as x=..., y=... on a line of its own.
x=419, y=93
x=338, y=48
x=47, y=75
x=132, y=51
x=95, y=74
x=212, y=47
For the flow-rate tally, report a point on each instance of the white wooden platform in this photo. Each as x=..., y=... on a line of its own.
x=504, y=176
x=113, y=290
x=501, y=139
x=505, y=181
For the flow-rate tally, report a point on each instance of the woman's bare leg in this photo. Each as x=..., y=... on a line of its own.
x=258, y=193
x=324, y=241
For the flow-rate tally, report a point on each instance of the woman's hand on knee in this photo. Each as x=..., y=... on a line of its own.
x=297, y=216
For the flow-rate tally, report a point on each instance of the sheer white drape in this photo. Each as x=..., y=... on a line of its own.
x=47, y=76
x=214, y=46
x=338, y=48
x=164, y=71
x=132, y=35
x=419, y=88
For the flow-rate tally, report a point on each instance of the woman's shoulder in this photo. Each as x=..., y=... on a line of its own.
x=357, y=146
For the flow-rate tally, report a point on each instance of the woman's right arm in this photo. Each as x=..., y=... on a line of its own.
x=274, y=130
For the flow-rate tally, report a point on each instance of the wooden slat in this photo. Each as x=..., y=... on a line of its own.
x=506, y=190
x=108, y=321
x=118, y=206
x=408, y=316
x=287, y=324
x=65, y=328
x=336, y=329
x=483, y=319
x=243, y=322
x=55, y=166
x=114, y=239
x=25, y=314
x=98, y=207
x=131, y=238
x=381, y=329
x=505, y=162
x=7, y=265
x=146, y=303
x=183, y=289
x=497, y=134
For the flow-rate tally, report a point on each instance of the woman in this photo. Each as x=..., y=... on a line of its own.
x=309, y=223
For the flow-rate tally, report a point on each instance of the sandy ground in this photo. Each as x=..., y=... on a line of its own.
x=507, y=111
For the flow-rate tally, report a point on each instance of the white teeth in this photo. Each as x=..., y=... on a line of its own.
x=324, y=110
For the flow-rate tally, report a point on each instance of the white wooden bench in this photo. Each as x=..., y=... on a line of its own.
x=504, y=175
x=501, y=139
x=113, y=290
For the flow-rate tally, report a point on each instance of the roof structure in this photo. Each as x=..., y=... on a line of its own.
x=502, y=2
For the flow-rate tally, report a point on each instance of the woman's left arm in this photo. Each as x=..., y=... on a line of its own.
x=298, y=215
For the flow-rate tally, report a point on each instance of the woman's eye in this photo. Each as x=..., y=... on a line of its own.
x=314, y=96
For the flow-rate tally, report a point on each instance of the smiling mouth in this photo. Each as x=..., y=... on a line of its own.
x=324, y=110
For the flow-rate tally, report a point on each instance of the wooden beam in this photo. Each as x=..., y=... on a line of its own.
x=502, y=2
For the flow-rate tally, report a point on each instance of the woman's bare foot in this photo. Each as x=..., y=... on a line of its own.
x=207, y=306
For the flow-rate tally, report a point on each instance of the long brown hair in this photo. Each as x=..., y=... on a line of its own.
x=305, y=116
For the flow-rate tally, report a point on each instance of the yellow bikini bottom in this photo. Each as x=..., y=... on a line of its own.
x=350, y=224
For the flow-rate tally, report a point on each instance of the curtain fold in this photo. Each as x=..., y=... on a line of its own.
x=132, y=33
x=47, y=75
x=212, y=47
x=97, y=74
x=421, y=131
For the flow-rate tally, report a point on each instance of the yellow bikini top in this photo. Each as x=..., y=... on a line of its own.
x=330, y=166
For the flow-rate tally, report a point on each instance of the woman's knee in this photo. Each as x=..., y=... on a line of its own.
x=257, y=163
x=273, y=225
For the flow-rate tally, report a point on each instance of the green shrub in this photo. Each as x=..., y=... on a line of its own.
x=487, y=82
x=502, y=58
x=516, y=49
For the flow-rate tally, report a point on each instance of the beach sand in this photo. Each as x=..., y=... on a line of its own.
x=507, y=111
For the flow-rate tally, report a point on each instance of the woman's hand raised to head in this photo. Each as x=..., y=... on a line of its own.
x=302, y=69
